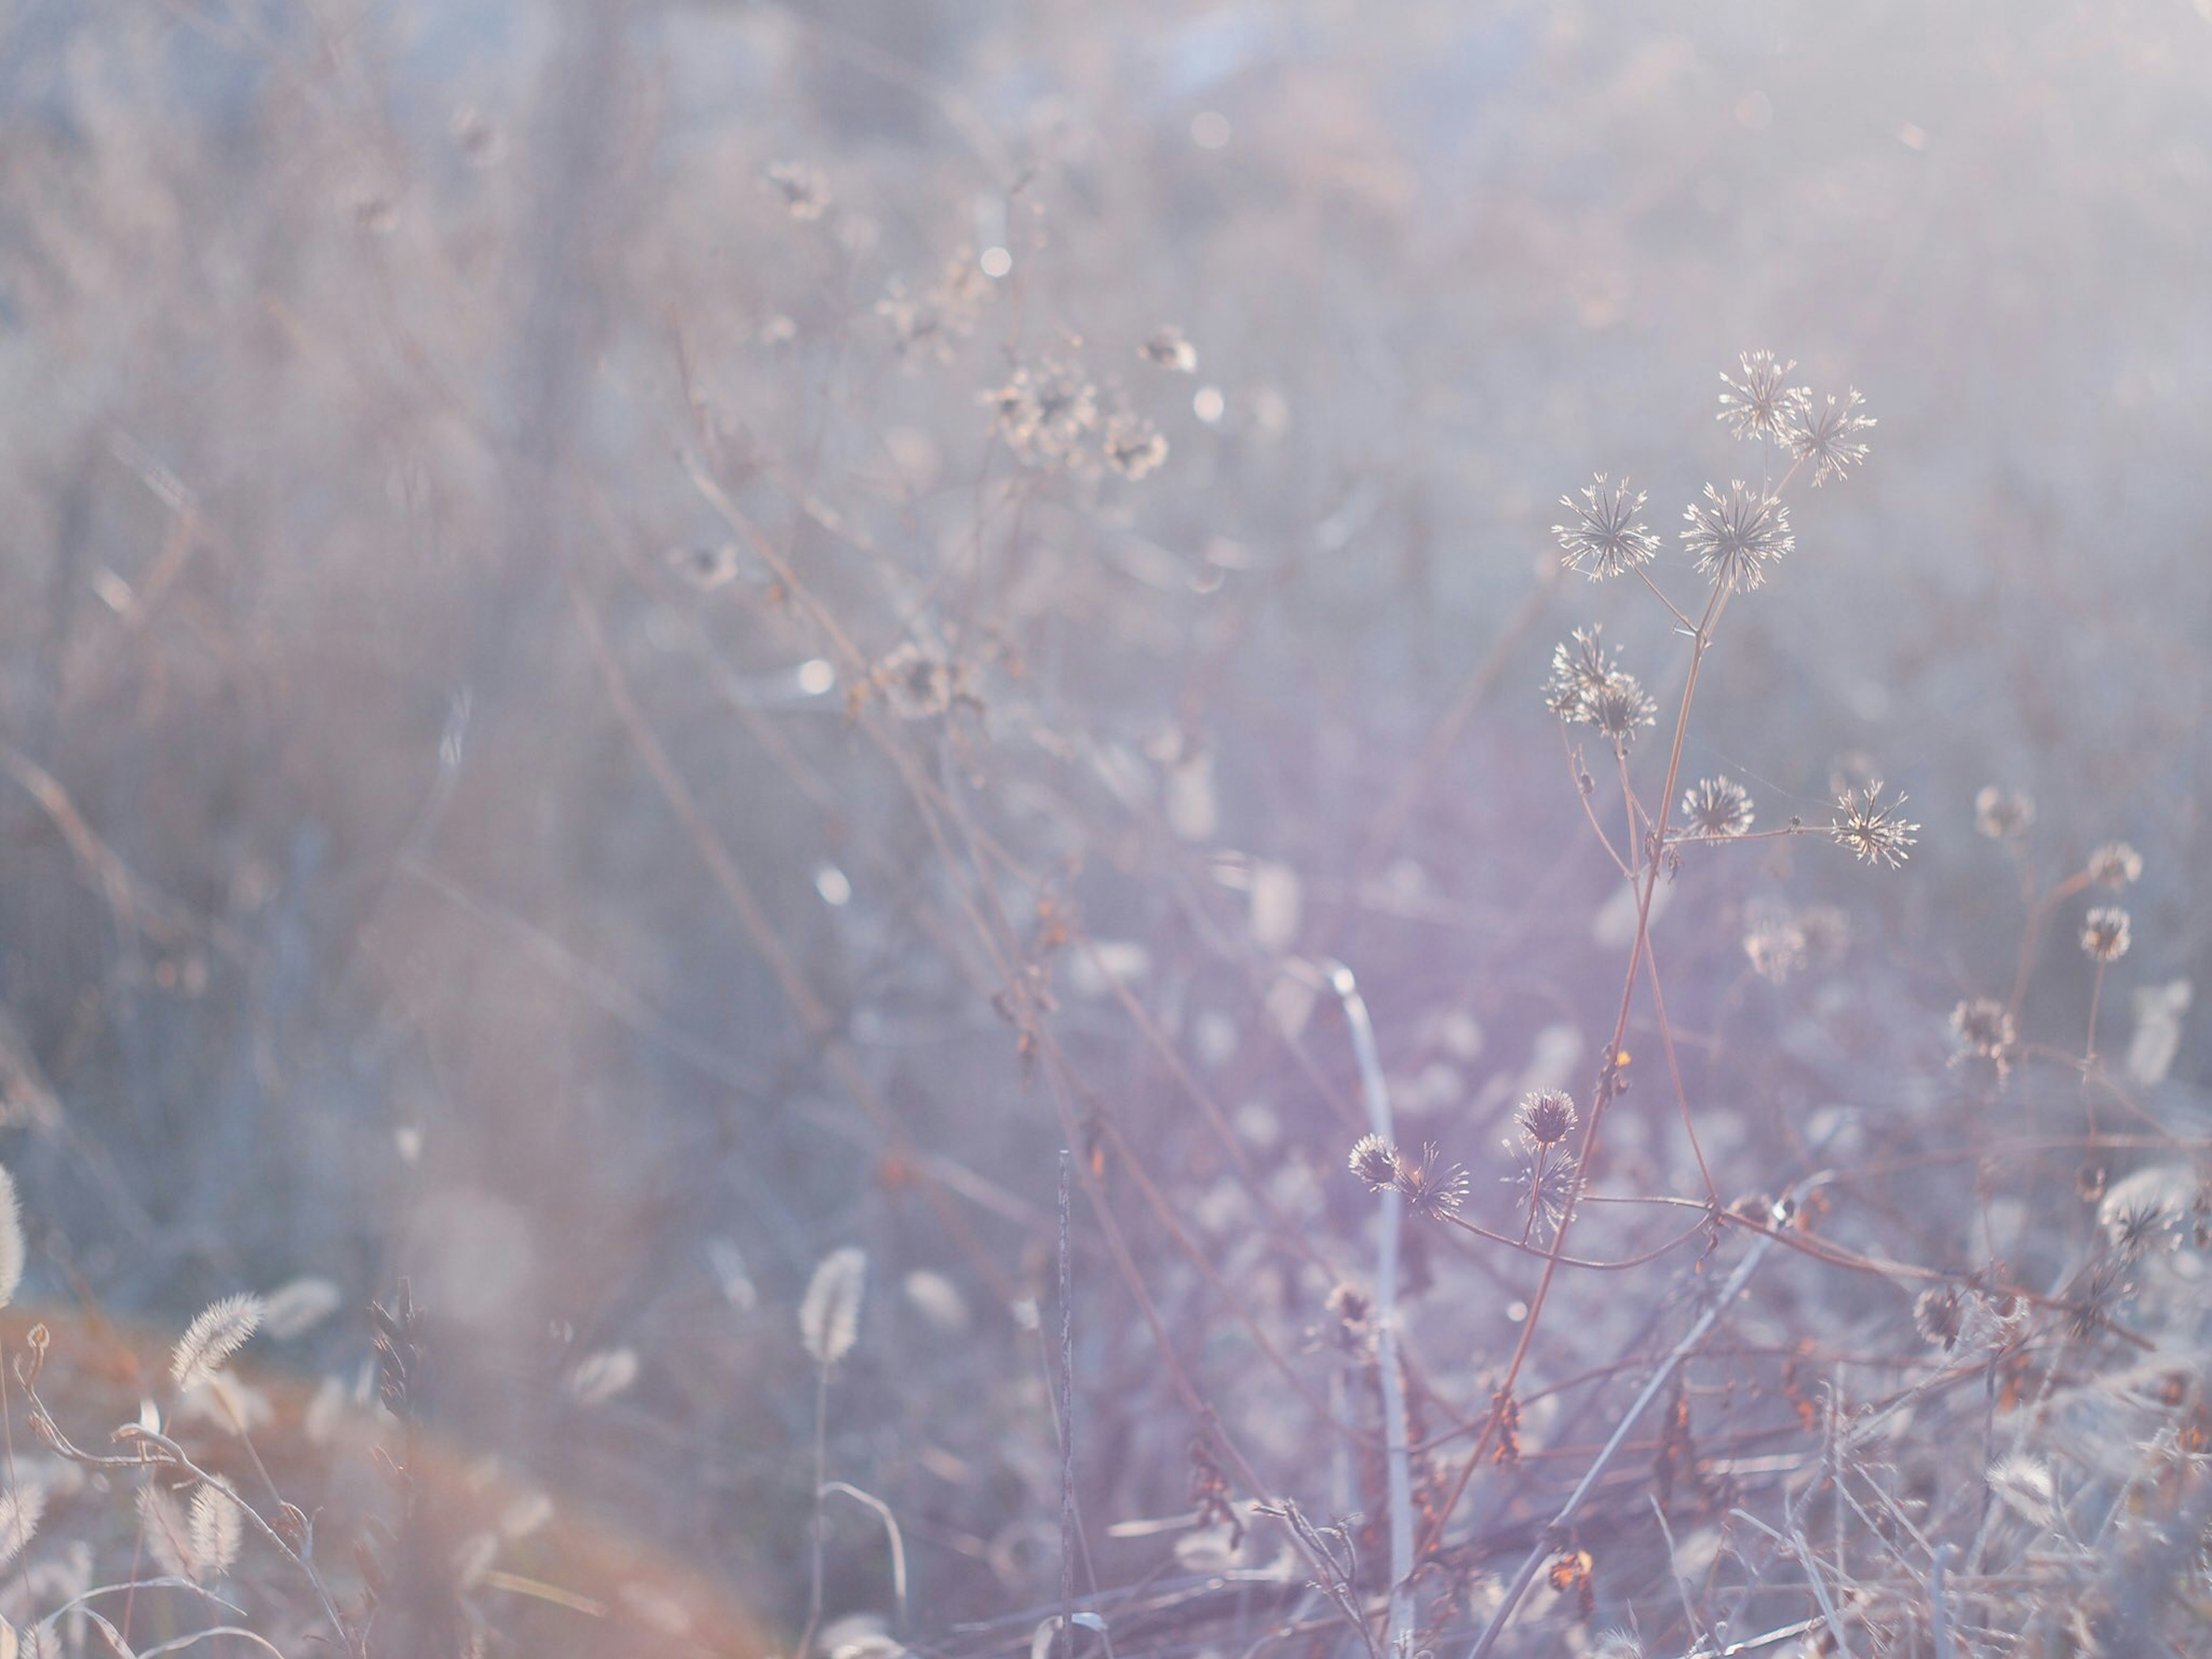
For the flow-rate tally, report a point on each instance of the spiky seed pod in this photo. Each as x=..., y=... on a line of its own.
x=1375, y=1161
x=209, y=1341
x=1756, y=405
x=1432, y=1188
x=1547, y=1116
x=1605, y=538
x=1826, y=433
x=829, y=1314
x=1874, y=830
x=1717, y=808
x=1734, y=538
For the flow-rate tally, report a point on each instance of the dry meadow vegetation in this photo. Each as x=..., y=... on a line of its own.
x=868, y=828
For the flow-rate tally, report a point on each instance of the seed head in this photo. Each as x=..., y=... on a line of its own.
x=1605, y=539
x=1375, y=1161
x=2104, y=934
x=1716, y=808
x=1940, y=1316
x=916, y=683
x=1620, y=706
x=1580, y=665
x=1546, y=1116
x=1045, y=409
x=1734, y=537
x=1874, y=831
x=1432, y=1188
x=1825, y=434
x=2115, y=865
x=2001, y=814
x=1982, y=1028
x=1134, y=446
x=1756, y=405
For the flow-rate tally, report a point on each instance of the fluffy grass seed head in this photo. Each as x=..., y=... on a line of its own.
x=1735, y=536
x=21, y=1509
x=214, y=1530
x=1827, y=434
x=1716, y=808
x=2002, y=814
x=1605, y=537
x=1546, y=1117
x=1874, y=830
x=830, y=1312
x=2104, y=934
x=1755, y=400
x=221, y=1329
x=2115, y=865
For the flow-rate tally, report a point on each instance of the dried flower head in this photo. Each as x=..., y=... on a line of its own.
x=1168, y=349
x=929, y=327
x=2104, y=934
x=209, y=1341
x=1580, y=666
x=1940, y=1316
x=2001, y=814
x=916, y=683
x=1045, y=409
x=1548, y=1180
x=1775, y=945
x=830, y=1312
x=1874, y=831
x=1716, y=808
x=1825, y=434
x=1431, y=1187
x=1375, y=1161
x=1546, y=1116
x=1756, y=405
x=1619, y=708
x=1982, y=1028
x=2142, y=1225
x=1735, y=536
x=2115, y=865
x=1134, y=446
x=802, y=190
x=1606, y=538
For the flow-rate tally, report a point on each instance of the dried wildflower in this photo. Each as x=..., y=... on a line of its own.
x=1375, y=1161
x=830, y=1312
x=1548, y=1181
x=1982, y=1028
x=1826, y=433
x=1580, y=666
x=13, y=1251
x=1169, y=350
x=801, y=189
x=930, y=325
x=1134, y=446
x=2001, y=814
x=1620, y=707
x=1606, y=539
x=2104, y=934
x=1349, y=1306
x=1874, y=831
x=1940, y=1315
x=1716, y=808
x=1775, y=945
x=916, y=683
x=1734, y=537
x=1431, y=1187
x=209, y=1341
x=2115, y=865
x=1546, y=1116
x=1044, y=411
x=2136, y=1228
x=1757, y=406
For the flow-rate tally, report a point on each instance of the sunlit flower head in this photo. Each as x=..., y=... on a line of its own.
x=2116, y=864
x=1825, y=434
x=2104, y=934
x=1716, y=808
x=1735, y=536
x=1754, y=401
x=1605, y=538
x=1874, y=831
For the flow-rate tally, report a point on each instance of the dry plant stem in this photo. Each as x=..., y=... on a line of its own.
x=2031, y=941
x=805, y=1645
x=1603, y=1094
x=1398, y=1458
x=1066, y=1424
x=1547, y=1541
x=883, y=1513
x=2089, y=1053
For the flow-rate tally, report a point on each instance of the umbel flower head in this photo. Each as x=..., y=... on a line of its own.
x=1982, y=1028
x=1734, y=538
x=1825, y=434
x=1756, y=404
x=1606, y=539
x=2104, y=934
x=2115, y=865
x=1716, y=808
x=1588, y=688
x=2001, y=814
x=1874, y=831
